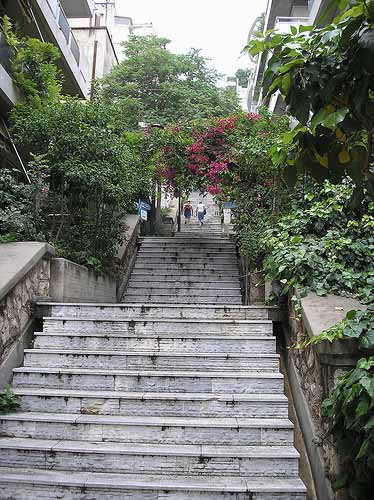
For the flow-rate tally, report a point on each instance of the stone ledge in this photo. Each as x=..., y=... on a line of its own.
x=320, y=313
x=17, y=259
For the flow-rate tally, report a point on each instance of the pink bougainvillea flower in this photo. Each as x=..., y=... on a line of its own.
x=253, y=116
x=213, y=190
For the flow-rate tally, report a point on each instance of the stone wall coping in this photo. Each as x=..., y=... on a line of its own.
x=320, y=313
x=132, y=223
x=152, y=306
x=17, y=259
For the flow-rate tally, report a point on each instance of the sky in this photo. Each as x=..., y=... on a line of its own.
x=218, y=27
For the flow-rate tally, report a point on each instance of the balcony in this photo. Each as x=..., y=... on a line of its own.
x=9, y=93
x=283, y=24
x=54, y=19
x=78, y=8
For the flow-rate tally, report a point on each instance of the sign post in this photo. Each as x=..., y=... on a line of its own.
x=143, y=209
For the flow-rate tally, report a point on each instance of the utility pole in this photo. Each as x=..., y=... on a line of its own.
x=179, y=213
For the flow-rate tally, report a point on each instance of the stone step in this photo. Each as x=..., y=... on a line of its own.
x=185, y=266
x=209, y=277
x=150, y=381
x=165, y=459
x=204, y=231
x=159, y=430
x=72, y=485
x=159, y=299
x=164, y=342
x=201, y=260
x=153, y=360
x=153, y=404
x=192, y=254
x=180, y=273
x=180, y=239
x=170, y=311
x=151, y=284
x=178, y=244
x=138, y=326
x=183, y=291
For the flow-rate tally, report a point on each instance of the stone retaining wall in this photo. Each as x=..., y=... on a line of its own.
x=313, y=373
x=71, y=282
x=24, y=275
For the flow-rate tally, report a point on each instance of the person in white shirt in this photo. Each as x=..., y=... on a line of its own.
x=200, y=212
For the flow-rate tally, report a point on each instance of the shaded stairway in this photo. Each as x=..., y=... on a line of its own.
x=146, y=401
x=150, y=403
x=185, y=270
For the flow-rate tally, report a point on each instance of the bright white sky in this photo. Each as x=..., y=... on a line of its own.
x=218, y=27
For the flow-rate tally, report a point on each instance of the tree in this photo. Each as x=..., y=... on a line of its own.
x=168, y=87
x=94, y=175
x=325, y=76
x=243, y=75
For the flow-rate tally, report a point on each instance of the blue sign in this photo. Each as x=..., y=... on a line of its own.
x=143, y=206
x=229, y=204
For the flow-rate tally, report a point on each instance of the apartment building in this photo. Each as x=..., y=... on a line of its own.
x=281, y=15
x=47, y=20
x=100, y=37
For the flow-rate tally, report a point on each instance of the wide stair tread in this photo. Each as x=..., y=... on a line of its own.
x=105, y=485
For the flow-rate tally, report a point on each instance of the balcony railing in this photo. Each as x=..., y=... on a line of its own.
x=283, y=24
x=63, y=23
x=6, y=54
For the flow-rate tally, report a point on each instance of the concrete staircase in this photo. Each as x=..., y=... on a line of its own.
x=150, y=402
x=185, y=270
x=198, y=266
x=146, y=401
x=212, y=222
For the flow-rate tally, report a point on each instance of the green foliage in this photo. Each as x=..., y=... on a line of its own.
x=325, y=76
x=256, y=185
x=8, y=401
x=95, y=174
x=33, y=66
x=358, y=325
x=21, y=215
x=324, y=245
x=350, y=410
x=243, y=75
x=166, y=87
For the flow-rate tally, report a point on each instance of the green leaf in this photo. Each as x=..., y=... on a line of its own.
x=333, y=119
x=296, y=239
x=291, y=64
x=286, y=84
x=300, y=106
x=351, y=314
x=293, y=30
x=362, y=408
x=303, y=29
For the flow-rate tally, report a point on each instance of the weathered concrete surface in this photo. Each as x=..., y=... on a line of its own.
x=319, y=313
x=72, y=282
x=24, y=276
x=17, y=259
x=313, y=373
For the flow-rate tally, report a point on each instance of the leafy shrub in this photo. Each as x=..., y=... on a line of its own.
x=350, y=410
x=325, y=246
x=33, y=66
x=94, y=175
x=21, y=215
x=358, y=325
x=8, y=401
